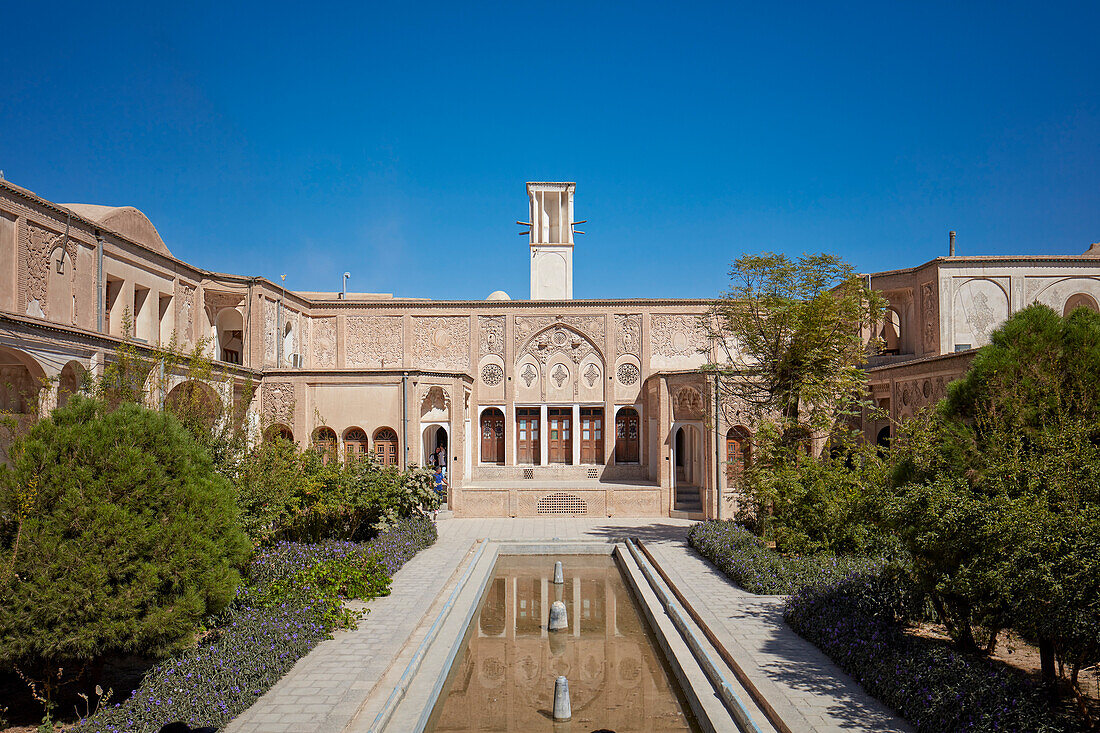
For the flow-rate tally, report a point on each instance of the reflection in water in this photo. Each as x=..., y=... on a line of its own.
x=504, y=680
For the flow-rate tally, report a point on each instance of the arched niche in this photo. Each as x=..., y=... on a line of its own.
x=21, y=381
x=194, y=402
x=627, y=378
x=59, y=287
x=528, y=380
x=70, y=381
x=1079, y=300
x=229, y=335
x=980, y=306
x=558, y=381
x=491, y=378
x=590, y=379
x=278, y=431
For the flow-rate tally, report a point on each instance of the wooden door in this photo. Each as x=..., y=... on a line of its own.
x=492, y=436
x=527, y=435
x=560, y=438
x=592, y=435
x=385, y=447
x=627, y=437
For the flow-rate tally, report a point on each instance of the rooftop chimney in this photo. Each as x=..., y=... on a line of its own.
x=951, y=235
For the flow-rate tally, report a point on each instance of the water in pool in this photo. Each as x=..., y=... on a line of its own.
x=504, y=679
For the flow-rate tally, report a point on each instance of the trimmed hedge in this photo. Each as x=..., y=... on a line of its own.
x=742, y=556
x=261, y=636
x=857, y=622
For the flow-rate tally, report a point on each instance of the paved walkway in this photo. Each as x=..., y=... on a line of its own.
x=350, y=676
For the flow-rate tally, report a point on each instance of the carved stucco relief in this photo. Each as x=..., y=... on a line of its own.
x=324, y=341
x=40, y=244
x=628, y=335
x=688, y=403
x=374, y=341
x=911, y=395
x=930, y=330
x=676, y=335
x=270, y=327
x=442, y=342
x=278, y=403
x=491, y=335
x=559, y=340
x=594, y=328
x=185, y=308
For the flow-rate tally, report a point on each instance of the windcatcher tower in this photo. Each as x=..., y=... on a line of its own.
x=551, y=239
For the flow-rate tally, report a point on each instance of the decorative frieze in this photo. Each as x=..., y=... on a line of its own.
x=374, y=341
x=688, y=404
x=911, y=395
x=442, y=342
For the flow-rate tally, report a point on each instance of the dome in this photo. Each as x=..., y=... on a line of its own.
x=126, y=220
x=498, y=295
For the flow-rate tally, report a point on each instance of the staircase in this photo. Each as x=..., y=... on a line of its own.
x=688, y=500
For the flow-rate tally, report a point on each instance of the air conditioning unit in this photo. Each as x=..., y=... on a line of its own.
x=296, y=361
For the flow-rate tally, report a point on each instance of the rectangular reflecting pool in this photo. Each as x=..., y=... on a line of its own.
x=503, y=680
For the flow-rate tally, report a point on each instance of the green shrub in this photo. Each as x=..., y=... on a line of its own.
x=743, y=557
x=116, y=534
x=287, y=494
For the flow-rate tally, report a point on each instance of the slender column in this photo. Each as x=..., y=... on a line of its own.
x=576, y=435
x=544, y=431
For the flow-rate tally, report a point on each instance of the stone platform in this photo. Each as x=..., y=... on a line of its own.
x=581, y=497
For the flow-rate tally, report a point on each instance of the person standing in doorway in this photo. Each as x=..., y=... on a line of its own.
x=441, y=458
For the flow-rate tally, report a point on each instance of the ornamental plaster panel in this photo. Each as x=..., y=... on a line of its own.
x=374, y=341
x=185, y=309
x=435, y=406
x=676, y=335
x=913, y=395
x=980, y=305
x=688, y=404
x=592, y=327
x=628, y=335
x=490, y=335
x=40, y=245
x=441, y=342
x=278, y=403
x=323, y=335
x=930, y=318
x=270, y=327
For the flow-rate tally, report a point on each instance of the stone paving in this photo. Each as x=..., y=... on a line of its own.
x=347, y=678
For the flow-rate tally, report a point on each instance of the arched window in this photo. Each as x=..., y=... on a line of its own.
x=1080, y=300
x=324, y=442
x=355, y=445
x=492, y=436
x=385, y=446
x=627, y=436
x=278, y=432
x=738, y=452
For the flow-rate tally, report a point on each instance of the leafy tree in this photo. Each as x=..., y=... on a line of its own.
x=794, y=340
x=997, y=494
x=118, y=535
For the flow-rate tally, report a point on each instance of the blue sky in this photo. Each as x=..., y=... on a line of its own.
x=392, y=140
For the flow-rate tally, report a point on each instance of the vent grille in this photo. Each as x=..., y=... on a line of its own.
x=562, y=504
x=593, y=473
x=528, y=473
